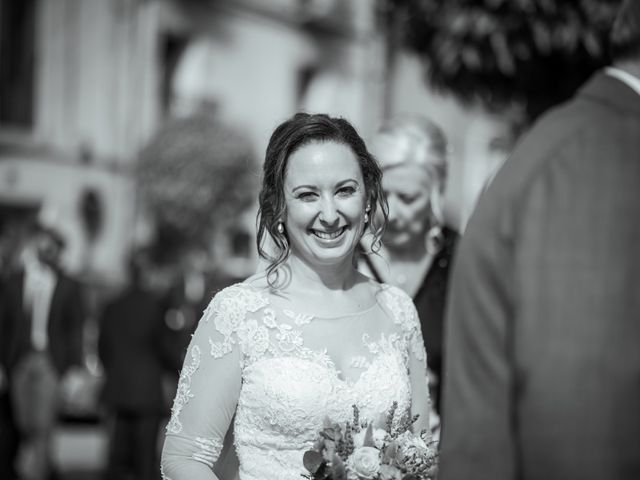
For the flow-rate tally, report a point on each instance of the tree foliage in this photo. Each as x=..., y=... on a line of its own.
x=195, y=173
x=499, y=51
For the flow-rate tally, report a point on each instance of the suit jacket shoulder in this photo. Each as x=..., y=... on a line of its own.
x=587, y=134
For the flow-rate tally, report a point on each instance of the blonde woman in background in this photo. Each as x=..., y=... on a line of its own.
x=417, y=247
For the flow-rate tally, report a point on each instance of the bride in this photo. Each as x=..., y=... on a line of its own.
x=277, y=354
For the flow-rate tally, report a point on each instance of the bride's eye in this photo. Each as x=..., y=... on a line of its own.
x=306, y=196
x=346, y=191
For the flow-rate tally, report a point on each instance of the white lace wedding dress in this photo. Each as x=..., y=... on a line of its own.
x=282, y=373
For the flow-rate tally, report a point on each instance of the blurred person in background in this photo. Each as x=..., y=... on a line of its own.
x=417, y=246
x=186, y=299
x=8, y=429
x=542, y=373
x=42, y=326
x=135, y=349
x=9, y=248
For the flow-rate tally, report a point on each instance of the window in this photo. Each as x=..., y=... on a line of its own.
x=17, y=55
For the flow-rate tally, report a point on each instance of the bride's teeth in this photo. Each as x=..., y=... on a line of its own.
x=328, y=236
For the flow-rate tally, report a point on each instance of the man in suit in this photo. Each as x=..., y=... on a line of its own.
x=135, y=347
x=542, y=374
x=9, y=242
x=8, y=430
x=41, y=321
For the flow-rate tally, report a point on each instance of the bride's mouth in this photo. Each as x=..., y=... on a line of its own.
x=329, y=235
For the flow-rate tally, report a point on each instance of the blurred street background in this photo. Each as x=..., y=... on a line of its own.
x=137, y=128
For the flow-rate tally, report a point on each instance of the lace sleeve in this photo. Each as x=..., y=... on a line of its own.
x=407, y=317
x=207, y=392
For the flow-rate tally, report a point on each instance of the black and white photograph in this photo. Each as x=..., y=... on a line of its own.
x=319, y=239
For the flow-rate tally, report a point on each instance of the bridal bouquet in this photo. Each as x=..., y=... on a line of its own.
x=358, y=451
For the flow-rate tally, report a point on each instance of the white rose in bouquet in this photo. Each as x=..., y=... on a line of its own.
x=364, y=463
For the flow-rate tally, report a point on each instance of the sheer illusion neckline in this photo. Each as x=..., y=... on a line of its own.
x=286, y=309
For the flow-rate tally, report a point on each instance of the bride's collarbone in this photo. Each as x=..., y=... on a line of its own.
x=325, y=303
x=315, y=300
x=322, y=306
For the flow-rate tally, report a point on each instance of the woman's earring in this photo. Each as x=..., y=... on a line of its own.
x=366, y=217
x=366, y=213
x=280, y=228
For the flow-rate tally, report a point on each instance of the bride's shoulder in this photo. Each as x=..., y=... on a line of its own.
x=391, y=293
x=383, y=292
x=258, y=282
x=398, y=304
x=244, y=295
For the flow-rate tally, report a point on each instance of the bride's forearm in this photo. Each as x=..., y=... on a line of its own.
x=186, y=469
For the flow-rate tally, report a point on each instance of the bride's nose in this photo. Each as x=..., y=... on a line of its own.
x=328, y=211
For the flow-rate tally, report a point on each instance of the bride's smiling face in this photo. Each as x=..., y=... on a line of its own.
x=325, y=203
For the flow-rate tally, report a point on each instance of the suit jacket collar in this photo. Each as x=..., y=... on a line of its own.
x=607, y=89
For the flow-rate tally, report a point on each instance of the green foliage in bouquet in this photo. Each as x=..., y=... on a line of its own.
x=195, y=173
x=358, y=451
x=500, y=51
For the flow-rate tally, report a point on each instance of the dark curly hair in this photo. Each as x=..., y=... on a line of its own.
x=288, y=137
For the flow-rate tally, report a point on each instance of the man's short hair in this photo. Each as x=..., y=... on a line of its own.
x=624, y=39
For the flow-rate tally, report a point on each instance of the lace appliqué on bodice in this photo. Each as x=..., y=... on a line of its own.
x=289, y=389
x=228, y=311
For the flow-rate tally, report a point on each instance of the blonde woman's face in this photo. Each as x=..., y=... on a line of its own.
x=408, y=191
